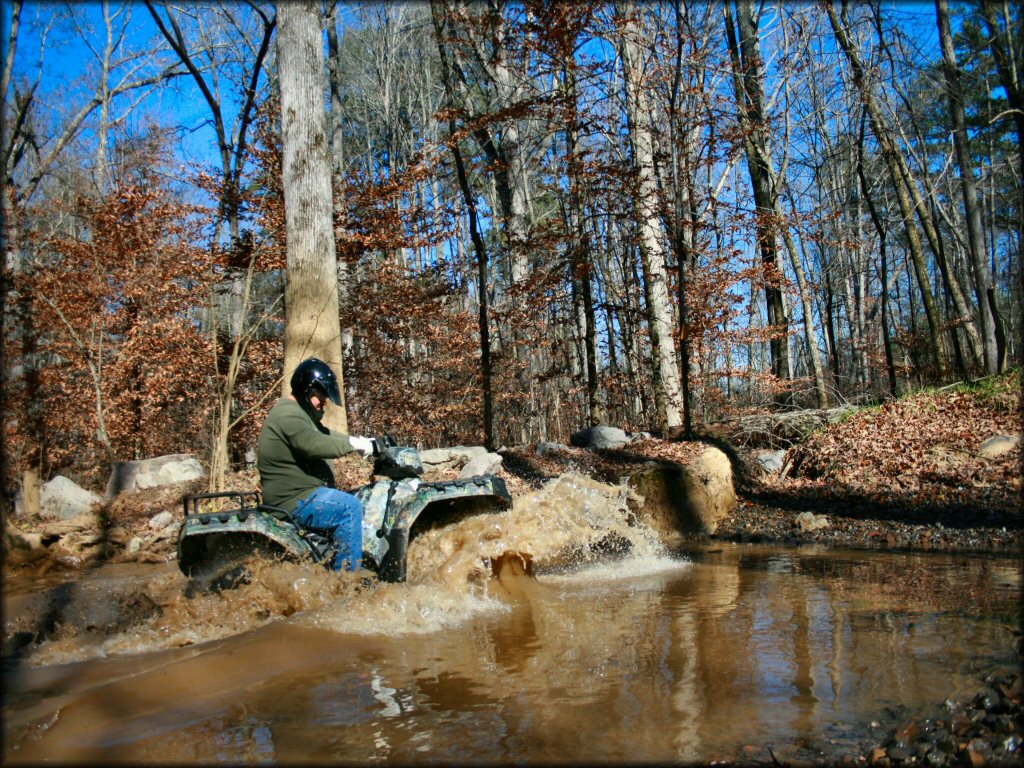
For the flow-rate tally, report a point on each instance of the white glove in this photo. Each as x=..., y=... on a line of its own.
x=362, y=444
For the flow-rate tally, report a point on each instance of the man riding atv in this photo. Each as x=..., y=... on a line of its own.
x=292, y=461
x=300, y=514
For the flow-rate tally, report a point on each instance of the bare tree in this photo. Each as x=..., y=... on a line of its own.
x=903, y=192
x=748, y=78
x=206, y=61
x=667, y=394
x=983, y=285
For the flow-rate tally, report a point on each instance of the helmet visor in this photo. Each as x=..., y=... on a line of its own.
x=330, y=387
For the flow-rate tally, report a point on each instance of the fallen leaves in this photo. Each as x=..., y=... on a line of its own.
x=923, y=448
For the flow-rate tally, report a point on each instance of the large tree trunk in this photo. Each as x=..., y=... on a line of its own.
x=312, y=327
x=668, y=397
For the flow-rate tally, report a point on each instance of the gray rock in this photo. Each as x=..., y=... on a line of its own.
x=998, y=445
x=151, y=473
x=770, y=461
x=808, y=522
x=161, y=521
x=545, y=448
x=64, y=499
x=481, y=465
x=599, y=438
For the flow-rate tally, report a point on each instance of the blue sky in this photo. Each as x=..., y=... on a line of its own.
x=65, y=73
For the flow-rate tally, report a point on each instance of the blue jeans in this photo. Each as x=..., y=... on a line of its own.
x=329, y=510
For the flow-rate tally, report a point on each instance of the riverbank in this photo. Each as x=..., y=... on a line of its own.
x=938, y=469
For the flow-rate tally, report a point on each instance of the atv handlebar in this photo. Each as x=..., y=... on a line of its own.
x=382, y=443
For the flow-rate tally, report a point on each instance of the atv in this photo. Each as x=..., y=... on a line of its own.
x=222, y=530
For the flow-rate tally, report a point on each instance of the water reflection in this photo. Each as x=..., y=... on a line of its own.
x=646, y=659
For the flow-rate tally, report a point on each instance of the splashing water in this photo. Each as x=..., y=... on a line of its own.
x=477, y=565
x=472, y=566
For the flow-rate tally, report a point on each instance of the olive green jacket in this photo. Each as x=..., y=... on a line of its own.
x=292, y=454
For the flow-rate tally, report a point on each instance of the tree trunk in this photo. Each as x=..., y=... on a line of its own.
x=668, y=398
x=682, y=236
x=479, y=246
x=890, y=365
x=312, y=327
x=972, y=211
x=890, y=154
x=748, y=82
x=338, y=166
x=481, y=260
x=581, y=253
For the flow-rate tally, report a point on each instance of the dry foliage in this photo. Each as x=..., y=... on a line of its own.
x=922, y=449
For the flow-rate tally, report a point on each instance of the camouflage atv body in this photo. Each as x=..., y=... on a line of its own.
x=213, y=541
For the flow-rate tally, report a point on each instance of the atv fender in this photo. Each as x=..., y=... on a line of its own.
x=393, y=511
x=217, y=537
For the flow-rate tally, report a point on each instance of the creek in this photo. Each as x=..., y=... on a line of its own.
x=563, y=630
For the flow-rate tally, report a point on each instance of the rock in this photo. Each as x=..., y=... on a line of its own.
x=450, y=458
x=64, y=499
x=599, y=438
x=998, y=445
x=770, y=461
x=690, y=499
x=808, y=522
x=481, y=465
x=134, y=545
x=545, y=448
x=977, y=753
x=150, y=473
x=161, y=521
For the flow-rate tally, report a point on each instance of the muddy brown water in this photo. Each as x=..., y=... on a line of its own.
x=526, y=638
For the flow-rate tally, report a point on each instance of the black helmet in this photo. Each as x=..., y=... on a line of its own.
x=314, y=376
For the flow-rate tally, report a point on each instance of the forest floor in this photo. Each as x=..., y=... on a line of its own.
x=906, y=475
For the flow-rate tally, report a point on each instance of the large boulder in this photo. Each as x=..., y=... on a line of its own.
x=687, y=500
x=65, y=499
x=151, y=473
x=996, y=446
x=487, y=464
x=600, y=438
